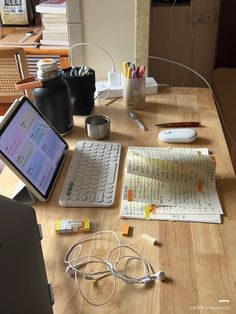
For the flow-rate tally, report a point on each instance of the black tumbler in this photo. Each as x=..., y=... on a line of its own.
x=53, y=102
x=53, y=98
x=82, y=88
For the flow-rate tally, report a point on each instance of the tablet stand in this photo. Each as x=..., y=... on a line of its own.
x=24, y=195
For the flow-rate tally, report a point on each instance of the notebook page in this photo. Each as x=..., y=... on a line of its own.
x=165, y=183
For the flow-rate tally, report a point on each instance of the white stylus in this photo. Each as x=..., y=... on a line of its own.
x=136, y=119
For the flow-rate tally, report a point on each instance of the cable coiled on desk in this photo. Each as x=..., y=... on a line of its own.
x=76, y=264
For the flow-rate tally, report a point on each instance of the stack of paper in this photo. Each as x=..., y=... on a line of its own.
x=170, y=184
x=54, y=21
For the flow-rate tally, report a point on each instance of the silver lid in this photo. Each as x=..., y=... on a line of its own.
x=47, y=69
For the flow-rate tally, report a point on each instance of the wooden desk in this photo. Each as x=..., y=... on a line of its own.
x=199, y=259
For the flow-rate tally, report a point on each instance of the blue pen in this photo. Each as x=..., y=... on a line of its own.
x=134, y=75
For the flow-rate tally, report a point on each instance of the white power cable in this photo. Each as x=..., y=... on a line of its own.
x=91, y=45
x=176, y=63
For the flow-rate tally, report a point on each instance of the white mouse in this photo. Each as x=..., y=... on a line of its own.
x=184, y=135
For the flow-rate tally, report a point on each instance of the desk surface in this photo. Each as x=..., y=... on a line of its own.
x=199, y=259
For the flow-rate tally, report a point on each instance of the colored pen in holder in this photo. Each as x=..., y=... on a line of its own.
x=134, y=92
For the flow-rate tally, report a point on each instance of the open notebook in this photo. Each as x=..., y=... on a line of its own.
x=170, y=184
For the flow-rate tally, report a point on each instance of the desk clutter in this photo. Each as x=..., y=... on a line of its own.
x=175, y=184
x=172, y=184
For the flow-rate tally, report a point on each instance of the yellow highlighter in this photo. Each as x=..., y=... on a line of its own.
x=124, y=69
x=129, y=73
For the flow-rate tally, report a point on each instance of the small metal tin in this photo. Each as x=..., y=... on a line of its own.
x=97, y=126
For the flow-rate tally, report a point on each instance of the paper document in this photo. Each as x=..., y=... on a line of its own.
x=163, y=183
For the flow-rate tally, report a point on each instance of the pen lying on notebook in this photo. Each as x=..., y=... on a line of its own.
x=179, y=124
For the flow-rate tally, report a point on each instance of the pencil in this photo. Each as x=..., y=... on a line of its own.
x=179, y=124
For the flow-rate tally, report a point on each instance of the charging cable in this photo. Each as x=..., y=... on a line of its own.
x=176, y=63
x=76, y=262
x=114, y=77
x=90, y=45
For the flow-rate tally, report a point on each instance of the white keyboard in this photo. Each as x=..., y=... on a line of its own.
x=92, y=175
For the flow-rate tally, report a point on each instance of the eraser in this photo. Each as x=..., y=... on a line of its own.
x=149, y=238
x=125, y=231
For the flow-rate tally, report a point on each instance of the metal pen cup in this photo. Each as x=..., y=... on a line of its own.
x=97, y=126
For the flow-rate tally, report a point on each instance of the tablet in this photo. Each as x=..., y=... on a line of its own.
x=31, y=147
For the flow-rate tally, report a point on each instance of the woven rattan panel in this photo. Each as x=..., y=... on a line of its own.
x=9, y=75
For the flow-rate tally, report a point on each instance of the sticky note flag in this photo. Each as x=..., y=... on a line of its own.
x=153, y=208
x=130, y=195
x=200, y=186
x=147, y=212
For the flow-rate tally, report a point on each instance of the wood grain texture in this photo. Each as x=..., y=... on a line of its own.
x=199, y=259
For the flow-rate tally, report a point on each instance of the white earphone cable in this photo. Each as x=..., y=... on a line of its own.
x=76, y=263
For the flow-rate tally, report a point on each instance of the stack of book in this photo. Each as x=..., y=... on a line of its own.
x=54, y=21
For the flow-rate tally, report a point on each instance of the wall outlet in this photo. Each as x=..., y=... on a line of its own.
x=203, y=16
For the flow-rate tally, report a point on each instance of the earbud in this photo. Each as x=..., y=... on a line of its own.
x=160, y=275
x=70, y=271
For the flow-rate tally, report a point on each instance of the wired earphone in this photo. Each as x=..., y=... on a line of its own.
x=76, y=262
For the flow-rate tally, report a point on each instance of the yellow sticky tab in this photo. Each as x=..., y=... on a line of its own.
x=58, y=225
x=147, y=212
x=200, y=186
x=86, y=223
x=130, y=195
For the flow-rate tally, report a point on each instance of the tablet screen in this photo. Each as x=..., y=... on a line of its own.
x=31, y=146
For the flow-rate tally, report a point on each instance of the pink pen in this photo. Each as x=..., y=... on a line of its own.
x=141, y=71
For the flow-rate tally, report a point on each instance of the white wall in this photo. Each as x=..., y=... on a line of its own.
x=172, y=37
x=109, y=24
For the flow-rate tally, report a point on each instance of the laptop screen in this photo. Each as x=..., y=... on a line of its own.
x=31, y=147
